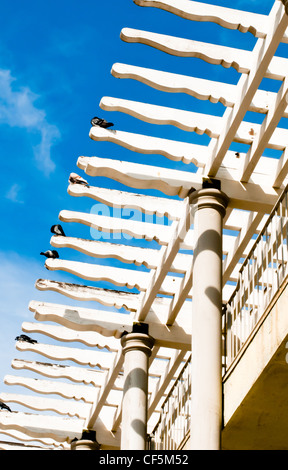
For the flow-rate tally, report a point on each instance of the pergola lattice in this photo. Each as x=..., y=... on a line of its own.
x=252, y=180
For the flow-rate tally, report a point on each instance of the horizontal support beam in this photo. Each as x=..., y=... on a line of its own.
x=35, y=425
x=200, y=88
x=148, y=257
x=130, y=278
x=114, y=324
x=229, y=18
x=75, y=374
x=264, y=61
x=172, y=149
x=126, y=200
x=247, y=133
x=87, y=357
x=154, y=114
x=248, y=196
x=107, y=297
x=63, y=407
x=212, y=53
x=89, y=338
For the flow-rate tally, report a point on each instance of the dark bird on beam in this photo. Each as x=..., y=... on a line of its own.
x=25, y=338
x=101, y=122
x=76, y=179
x=3, y=406
x=50, y=254
x=57, y=230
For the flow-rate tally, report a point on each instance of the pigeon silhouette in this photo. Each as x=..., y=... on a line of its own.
x=25, y=338
x=76, y=179
x=3, y=406
x=101, y=122
x=57, y=230
x=50, y=254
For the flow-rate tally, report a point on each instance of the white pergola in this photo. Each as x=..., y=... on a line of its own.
x=153, y=285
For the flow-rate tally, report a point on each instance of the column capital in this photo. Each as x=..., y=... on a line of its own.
x=86, y=442
x=137, y=341
x=209, y=198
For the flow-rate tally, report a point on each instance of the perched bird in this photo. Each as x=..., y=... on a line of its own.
x=25, y=338
x=57, y=230
x=76, y=179
x=3, y=406
x=50, y=254
x=101, y=122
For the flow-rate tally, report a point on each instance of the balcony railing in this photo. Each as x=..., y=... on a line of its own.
x=260, y=277
x=174, y=422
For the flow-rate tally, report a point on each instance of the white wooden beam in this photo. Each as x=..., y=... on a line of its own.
x=22, y=436
x=149, y=257
x=212, y=53
x=248, y=196
x=200, y=88
x=230, y=18
x=63, y=407
x=72, y=373
x=181, y=229
x=88, y=357
x=83, y=319
x=261, y=140
x=103, y=425
x=105, y=390
x=107, y=297
x=247, y=133
x=262, y=64
x=114, y=225
x=282, y=170
x=36, y=425
x=18, y=446
x=114, y=324
x=239, y=59
x=89, y=338
x=159, y=206
x=130, y=278
x=154, y=114
x=65, y=390
x=172, y=149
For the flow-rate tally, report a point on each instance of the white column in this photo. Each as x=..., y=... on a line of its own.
x=209, y=205
x=137, y=347
x=87, y=442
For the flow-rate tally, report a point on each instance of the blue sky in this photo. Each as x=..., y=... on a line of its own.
x=55, y=62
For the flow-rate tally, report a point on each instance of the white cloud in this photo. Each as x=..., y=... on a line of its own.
x=13, y=194
x=17, y=109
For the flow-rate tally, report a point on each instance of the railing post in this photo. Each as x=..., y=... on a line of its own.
x=209, y=207
x=137, y=347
